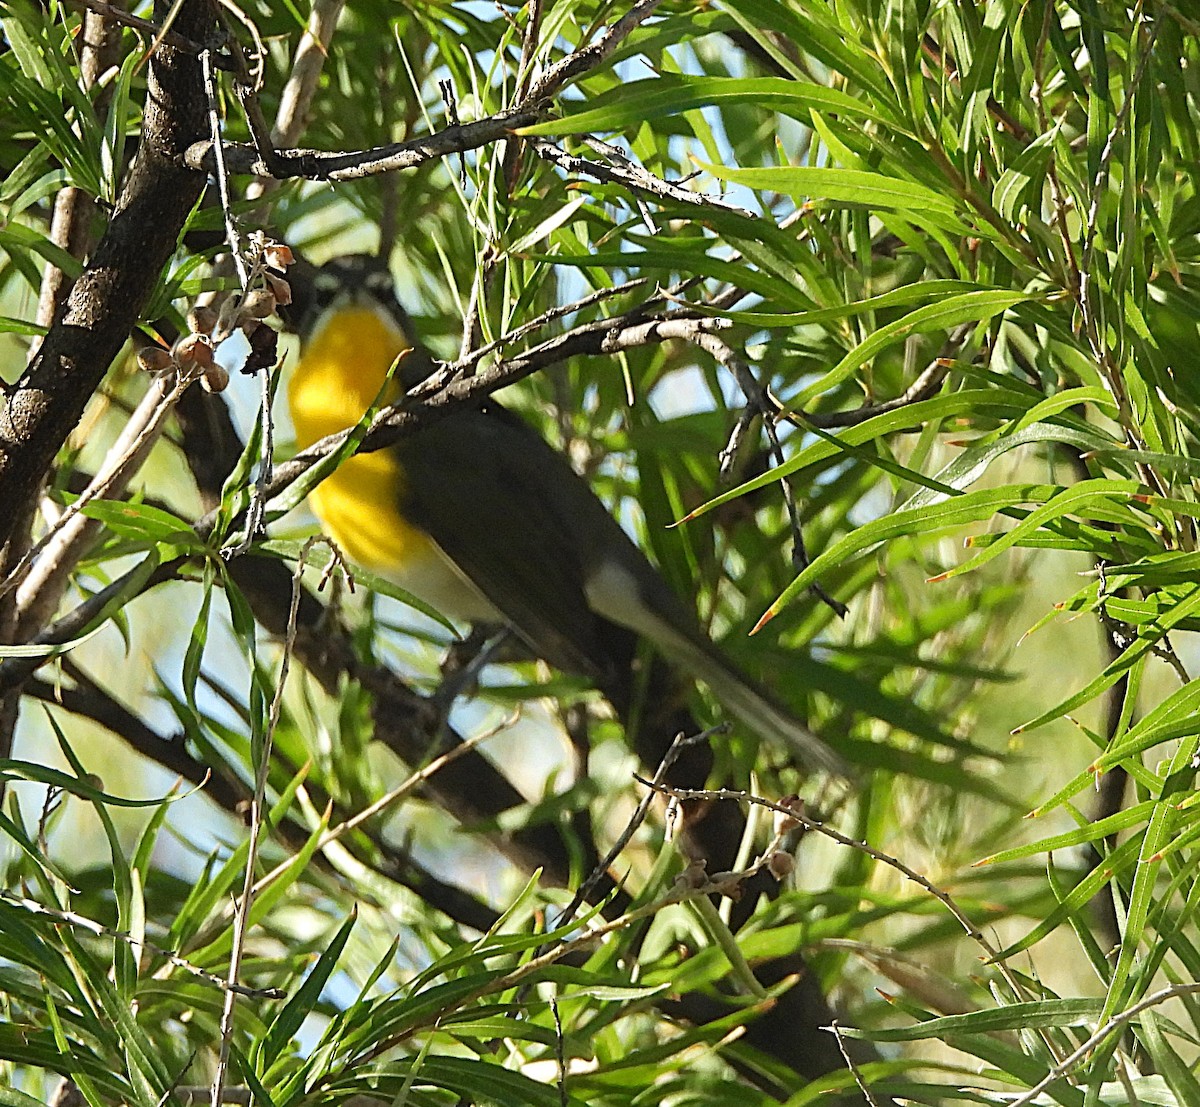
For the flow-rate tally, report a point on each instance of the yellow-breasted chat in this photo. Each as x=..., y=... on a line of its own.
x=480, y=517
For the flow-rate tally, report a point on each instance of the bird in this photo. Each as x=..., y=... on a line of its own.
x=481, y=518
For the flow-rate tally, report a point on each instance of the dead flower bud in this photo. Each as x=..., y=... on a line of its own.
x=264, y=349
x=280, y=288
x=258, y=304
x=227, y=318
x=202, y=320
x=784, y=823
x=781, y=864
x=154, y=359
x=277, y=255
x=692, y=877
x=731, y=885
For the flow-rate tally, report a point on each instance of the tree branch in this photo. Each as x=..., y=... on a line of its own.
x=103, y=307
x=316, y=165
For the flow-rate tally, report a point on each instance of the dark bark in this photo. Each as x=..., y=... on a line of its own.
x=89, y=330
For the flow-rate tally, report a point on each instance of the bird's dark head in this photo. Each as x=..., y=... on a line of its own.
x=360, y=280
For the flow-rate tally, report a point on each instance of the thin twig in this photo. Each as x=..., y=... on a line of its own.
x=241, y=919
x=560, y=1051
x=588, y=57
x=480, y=352
x=630, y=175
x=82, y=922
x=296, y=99
x=716, y=795
x=57, y=550
x=922, y=388
x=317, y=165
x=862, y=1086
x=635, y=820
x=113, y=14
x=1118, y=1020
x=756, y=398
x=232, y=238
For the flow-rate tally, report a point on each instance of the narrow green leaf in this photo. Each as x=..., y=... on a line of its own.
x=969, y=307
x=1077, y=500
x=303, y=1001
x=846, y=186
x=1143, y=645
x=1092, y=832
x=928, y=520
x=1016, y=1016
x=656, y=97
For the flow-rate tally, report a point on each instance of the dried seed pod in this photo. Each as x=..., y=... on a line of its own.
x=730, y=884
x=214, y=379
x=227, y=317
x=693, y=876
x=277, y=255
x=257, y=304
x=781, y=864
x=194, y=350
x=784, y=823
x=281, y=289
x=154, y=359
x=264, y=349
x=202, y=320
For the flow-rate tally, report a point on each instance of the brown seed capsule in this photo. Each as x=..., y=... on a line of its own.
x=194, y=350
x=784, y=823
x=277, y=255
x=154, y=359
x=202, y=320
x=729, y=884
x=215, y=379
x=258, y=304
x=280, y=287
x=693, y=876
x=264, y=345
x=227, y=317
x=781, y=864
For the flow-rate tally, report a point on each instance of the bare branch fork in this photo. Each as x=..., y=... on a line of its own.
x=318, y=166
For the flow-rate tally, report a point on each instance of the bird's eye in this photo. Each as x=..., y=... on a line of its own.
x=379, y=282
x=325, y=288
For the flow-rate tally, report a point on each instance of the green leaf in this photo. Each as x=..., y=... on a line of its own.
x=143, y=521
x=1091, y=832
x=968, y=307
x=1147, y=639
x=1078, y=499
x=639, y=101
x=926, y=520
x=833, y=187
x=1014, y=1016
x=303, y=1001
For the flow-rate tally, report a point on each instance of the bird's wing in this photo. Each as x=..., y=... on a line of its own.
x=507, y=510
x=538, y=543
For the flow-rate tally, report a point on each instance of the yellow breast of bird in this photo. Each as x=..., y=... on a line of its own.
x=340, y=375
